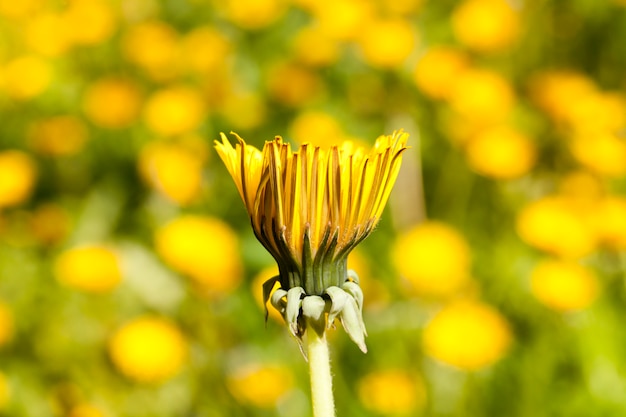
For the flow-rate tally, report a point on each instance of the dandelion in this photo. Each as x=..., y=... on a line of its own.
x=309, y=208
x=90, y=268
x=148, y=349
x=260, y=385
x=392, y=392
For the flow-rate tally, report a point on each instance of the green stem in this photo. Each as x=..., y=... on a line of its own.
x=321, y=379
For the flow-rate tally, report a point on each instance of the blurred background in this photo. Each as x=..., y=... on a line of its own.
x=129, y=276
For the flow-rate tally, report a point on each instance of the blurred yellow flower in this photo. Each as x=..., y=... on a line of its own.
x=312, y=46
x=19, y=9
x=49, y=223
x=244, y=110
x=26, y=77
x=553, y=224
x=342, y=19
x=437, y=69
x=391, y=392
x=501, y=152
x=292, y=84
x=112, y=102
x=89, y=268
x=47, y=34
x=486, y=25
x=434, y=258
x=603, y=153
x=6, y=324
x=148, y=349
x=582, y=187
x=58, y=136
x=557, y=91
x=18, y=174
x=204, y=49
x=400, y=7
x=154, y=47
x=467, y=334
x=598, y=112
x=316, y=127
x=85, y=410
x=5, y=391
x=610, y=221
x=204, y=248
x=563, y=285
x=254, y=14
x=387, y=43
x=481, y=95
x=174, y=169
x=260, y=385
x=174, y=110
x=90, y=22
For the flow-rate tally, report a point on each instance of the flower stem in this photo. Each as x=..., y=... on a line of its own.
x=321, y=379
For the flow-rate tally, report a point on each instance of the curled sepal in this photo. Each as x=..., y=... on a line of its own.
x=355, y=291
x=279, y=300
x=352, y=276
x=352, y=321
x=338, y=299
x=294, y=302
x=314, y=312
x=268, y=286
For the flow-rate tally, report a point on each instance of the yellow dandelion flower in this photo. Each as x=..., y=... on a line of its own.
x=254, y=14
x=6, y=324
x=204, y=248
x=154, y=47
x=292, y=84
x=481, y=95
x=260, y=385
x=468, y=335
x=501, y=152
x=26, y=77
x=434, y=258
x=19, y=9
x=310, y=207
x=400, y=7
x=486, y=25
x=49, y=224
x=610, y=221
x=174, y=111
x=599, y=112
x=387, y=43
x=557, y=91
x=112, y=102
x=18, y=174
x=204, y=49
x=58, y=136
x=603, y=153
x=312, y=46
x=90, y=21
x=392, y=391
x=47, y=34
x=89, y=268
x=85, y=410
x=318, y=126
x=437, y=69
x=148, y=349
x=5, y=391
x=554, y=225
x=582, y=187
x=564, y=285
x=173, y=169
x=342, y=19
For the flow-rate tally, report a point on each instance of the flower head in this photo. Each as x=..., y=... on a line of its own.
x=309, y=208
